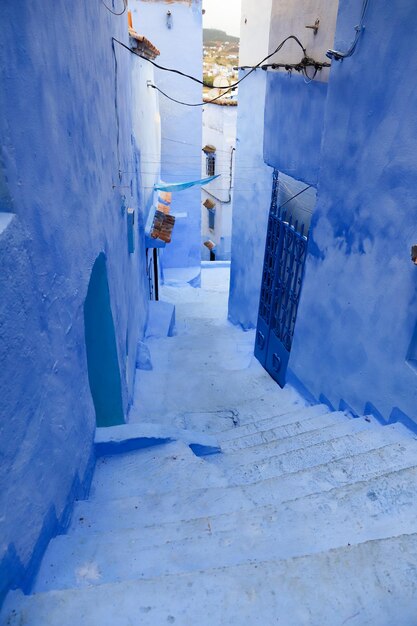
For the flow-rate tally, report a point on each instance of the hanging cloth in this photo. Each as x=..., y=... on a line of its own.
x=181, y=186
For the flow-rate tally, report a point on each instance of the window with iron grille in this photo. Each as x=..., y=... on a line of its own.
x=210, y=164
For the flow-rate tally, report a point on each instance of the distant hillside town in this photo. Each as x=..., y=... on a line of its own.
x=221, y=55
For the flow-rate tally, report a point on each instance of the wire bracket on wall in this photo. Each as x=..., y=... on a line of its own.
x=306, y=62
x=315, y=26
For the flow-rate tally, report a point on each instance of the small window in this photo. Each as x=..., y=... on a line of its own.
x=211, y=218
x=210, y=152
x=210, y=164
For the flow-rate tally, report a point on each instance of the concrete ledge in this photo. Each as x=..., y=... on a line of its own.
x=161, y=319
x=129, y=437
x=181, y=276
x=214, y=264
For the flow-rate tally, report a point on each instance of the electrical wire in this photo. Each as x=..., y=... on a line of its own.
x=228, y=87
x=337, y=55
x=199, y=104
x=295, y=196
x=307, y=78
x=233, y=85
x=114, y=12
x=303, y=63
x=189, y=104
x=186, y=143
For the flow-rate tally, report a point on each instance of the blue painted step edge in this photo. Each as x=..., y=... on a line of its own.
x=130, y=437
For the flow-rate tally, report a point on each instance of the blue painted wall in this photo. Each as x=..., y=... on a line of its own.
x=67, y=176
x=181, y=48
x=359, y=303
x=251, y=199
x=146, y=132
x=294, y=117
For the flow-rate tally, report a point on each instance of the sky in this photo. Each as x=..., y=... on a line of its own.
x=222, y=14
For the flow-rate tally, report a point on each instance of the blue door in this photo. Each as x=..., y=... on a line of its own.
x=101, y=348
x=282, y=276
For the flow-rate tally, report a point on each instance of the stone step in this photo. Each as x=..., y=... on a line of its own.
x=174, y=466
x=154, y=470
x=317, y=454
x=293, y=418
x=220, y=420
x=129, y=437
x=346, y=515
x=191, y=503
x=287, y=438
x=322, y=589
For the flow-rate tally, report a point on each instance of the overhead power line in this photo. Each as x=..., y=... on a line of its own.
x=305, y=62
x=188, y=104
x=233, y=85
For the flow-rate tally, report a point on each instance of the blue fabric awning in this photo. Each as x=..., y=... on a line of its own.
x=181, y=186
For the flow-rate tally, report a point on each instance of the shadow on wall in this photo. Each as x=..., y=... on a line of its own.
x=100, y=339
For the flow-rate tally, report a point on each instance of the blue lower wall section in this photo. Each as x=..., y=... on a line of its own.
x=251, y=200
x=294, y=117
x=67, y=178
x=358, y=309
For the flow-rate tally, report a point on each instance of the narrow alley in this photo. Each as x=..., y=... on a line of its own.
x=297, y=496
x=208, y=368
x=208, y=313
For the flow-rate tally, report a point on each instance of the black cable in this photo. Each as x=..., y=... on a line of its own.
x=337, y=55
x=114, y=12
x=199, y=104
x=201, y=82
x=307, y=78
x=228, y=88
x=188, y=104
x=298, y=67
x=233, y=85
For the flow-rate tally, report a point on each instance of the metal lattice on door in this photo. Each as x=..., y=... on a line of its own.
x=282, y=276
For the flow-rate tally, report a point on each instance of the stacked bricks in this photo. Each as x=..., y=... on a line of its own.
x=162, y=226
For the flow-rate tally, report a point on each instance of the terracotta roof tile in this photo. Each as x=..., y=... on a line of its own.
x=144, y=47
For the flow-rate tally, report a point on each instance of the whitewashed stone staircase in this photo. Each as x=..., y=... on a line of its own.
x=305, y=518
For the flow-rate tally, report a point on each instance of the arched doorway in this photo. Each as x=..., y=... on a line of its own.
x=100, y=339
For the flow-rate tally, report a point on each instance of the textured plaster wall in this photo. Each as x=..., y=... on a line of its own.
x=359, y=308
x=294, y=118
x=181, y=48
x=253, y=179
x=294, y=110
x=219, y=129
x=67, y=175
x=146, y=130
x=290, y=17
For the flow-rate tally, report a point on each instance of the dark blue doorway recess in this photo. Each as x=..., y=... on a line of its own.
x=100, y=339
x=282, y=276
